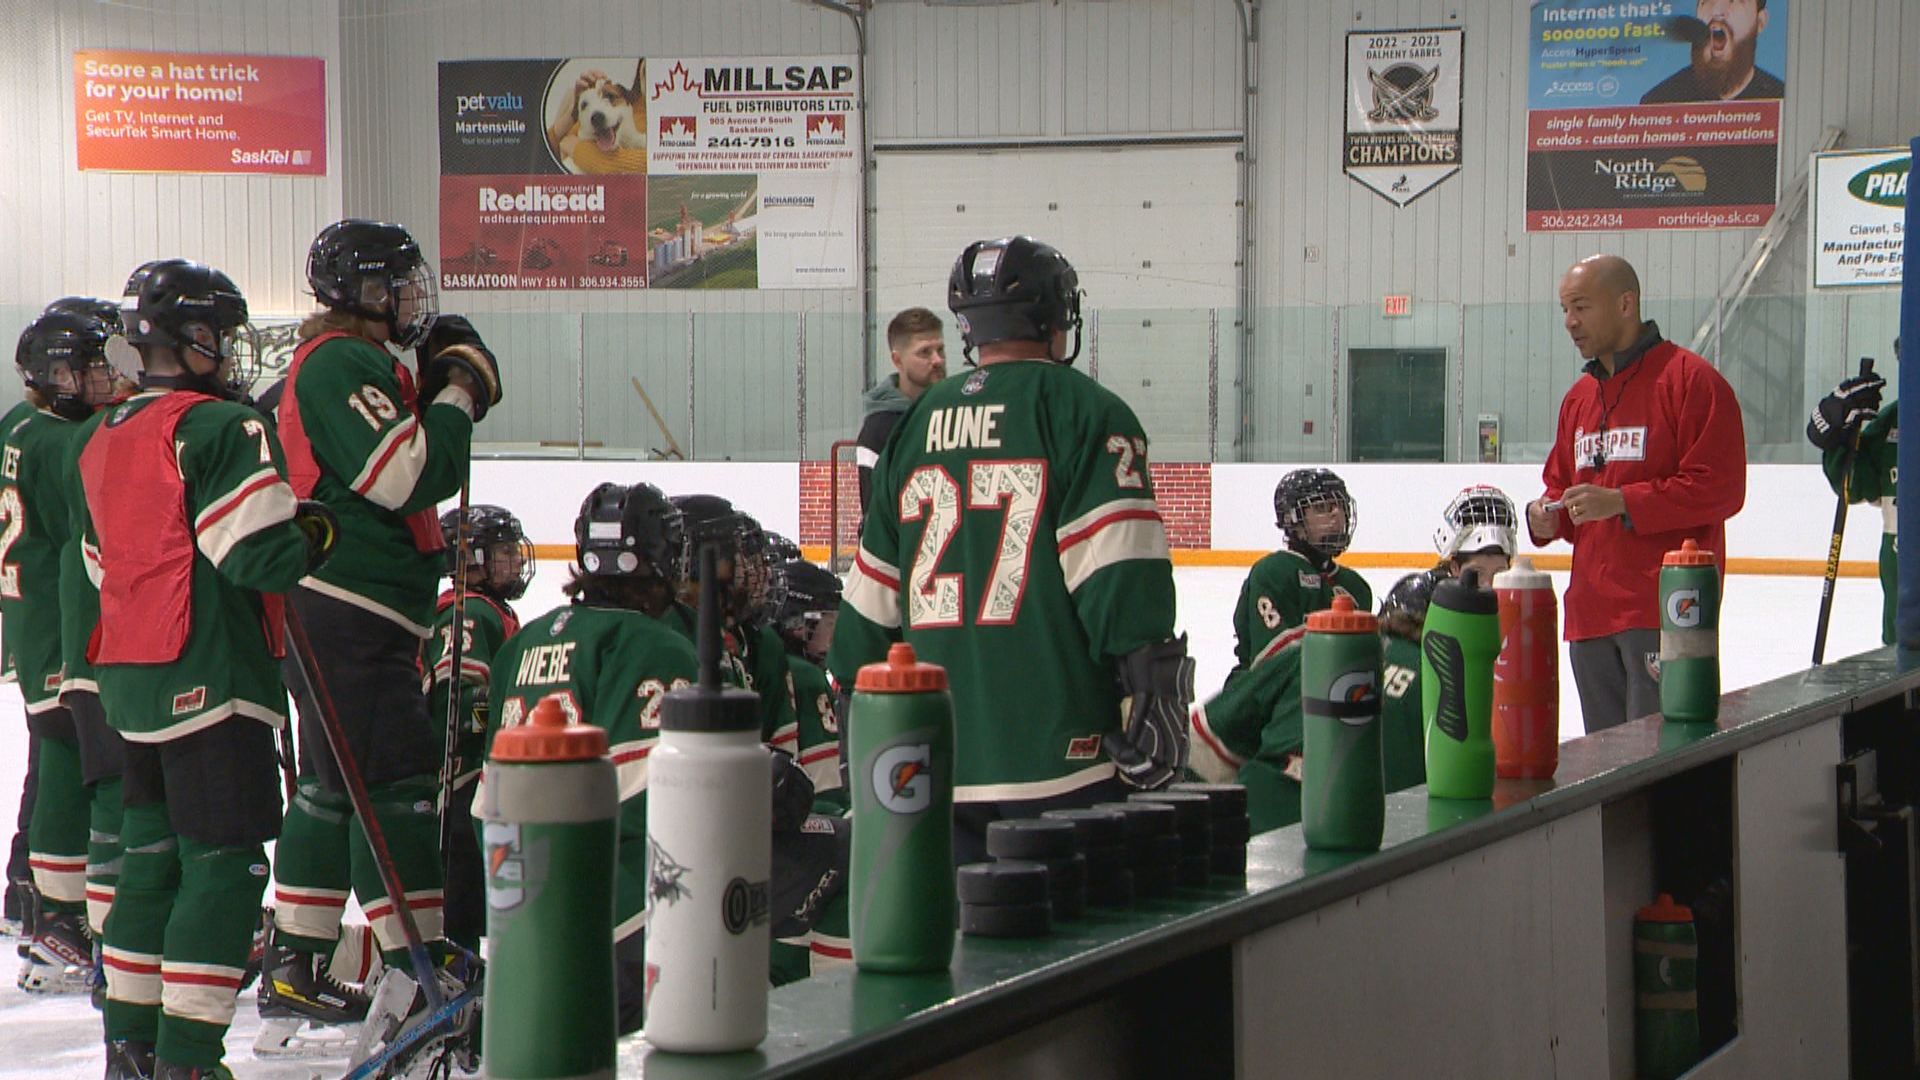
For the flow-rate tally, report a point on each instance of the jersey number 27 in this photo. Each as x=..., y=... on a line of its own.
x=931, y=494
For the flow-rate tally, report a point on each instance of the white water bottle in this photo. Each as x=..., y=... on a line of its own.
x=709, y=858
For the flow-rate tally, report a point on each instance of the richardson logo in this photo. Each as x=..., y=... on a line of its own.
x=1403, y=94
x=902, y=779
x=190, y=702
x=487, y=104
x=1883, y=185
x=677, y=130
x=827, y=129
x=537, y=199
x=1645, y=176
x=802, y=202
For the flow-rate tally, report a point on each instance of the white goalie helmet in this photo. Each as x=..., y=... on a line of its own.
x=1479, y=518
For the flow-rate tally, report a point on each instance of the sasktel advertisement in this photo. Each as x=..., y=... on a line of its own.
x=649, y=172
x=1654, y=115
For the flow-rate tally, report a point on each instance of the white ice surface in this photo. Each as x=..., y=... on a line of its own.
x=1766, y=631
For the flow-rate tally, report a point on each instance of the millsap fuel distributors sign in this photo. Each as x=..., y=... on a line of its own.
x=646, y=172
x=1859, y=217
x=1403, y=110
x=1653, y=114
x=155, y=112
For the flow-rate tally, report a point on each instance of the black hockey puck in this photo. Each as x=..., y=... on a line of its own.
x=1007, y=881
x=1067, y=873
x=1106, y=857
x=1226, y=800
x=1158, y=852
x=1109, y=886
x=1006, y=920
x=1229, y=862
x=1190, y=810
x=1031, y=838
x=1154, y=881
x=1145, y=819
x=1196, y=840
x=1235, y=830
x=1193, y=869
x=1097, y=827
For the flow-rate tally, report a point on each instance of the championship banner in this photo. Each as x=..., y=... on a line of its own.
x=1859, y=217
x=1403, y=110
x=159, y=112
x=1654, y=115
x=632, y=173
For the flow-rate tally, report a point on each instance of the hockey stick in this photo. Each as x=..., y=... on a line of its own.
x=456, y=655
x=672, y=443
x=316, y=687
x=1839, y=531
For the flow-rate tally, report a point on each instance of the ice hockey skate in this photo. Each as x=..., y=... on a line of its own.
x=59, y=955
x=403, y=1036
x=304, y=1011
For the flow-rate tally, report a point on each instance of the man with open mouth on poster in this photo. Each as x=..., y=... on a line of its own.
x=1725, y=39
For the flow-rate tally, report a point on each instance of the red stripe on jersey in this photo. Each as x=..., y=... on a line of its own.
x=131, y=967
x=1199, y=728
x=1278, y=643
x=626, y=756
x=393, y=447
x=266, y=480
x=1109, y=519
x=196, y=978
x=383, y=908
x=820, y=753
x=834, y=951
x=864, y=567
x=282, y=897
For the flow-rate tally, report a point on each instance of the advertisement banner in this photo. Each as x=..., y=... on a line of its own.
x=160, y=112
x=642, y=172
x=1859, y=217
x=1403, y=110
x=1654, y=115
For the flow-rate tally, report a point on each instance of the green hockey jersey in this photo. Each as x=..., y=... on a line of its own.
x=378, y=463
x=489, y=623
x=79, y=596
x=818, y=729
x=1281, y=590
x=1250, y=732
x=34, y=524
x=239, y=510
x=759, y=662
x=613, y=668
x=1013, y=539
x=1876, y=467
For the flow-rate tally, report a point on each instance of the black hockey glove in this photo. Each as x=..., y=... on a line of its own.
x=1840, y=414
x=321, y=529
x=1156, y=682
x=792, y=793
x=453, y=344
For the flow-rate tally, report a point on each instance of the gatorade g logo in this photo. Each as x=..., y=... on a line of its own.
x=902, y=779
x=1359, y=690
x=1449, y=664
x=1683, y=609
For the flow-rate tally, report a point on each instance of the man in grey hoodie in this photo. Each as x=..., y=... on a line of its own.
x=917, y=344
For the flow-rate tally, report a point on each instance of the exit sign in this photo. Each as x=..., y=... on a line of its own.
x=1396, y=307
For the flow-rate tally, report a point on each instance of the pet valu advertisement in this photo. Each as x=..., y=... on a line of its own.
x=630, y=173
x=169, y=112
x=1657, y=114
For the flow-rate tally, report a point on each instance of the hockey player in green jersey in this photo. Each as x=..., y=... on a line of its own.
x=62, y=359
x=1865, y=472
x=1250, y=733
x=190, y=524
x=499, y=567
x=747, y=582
x=1013, y=539
x=382, y=445
x=1316, y=515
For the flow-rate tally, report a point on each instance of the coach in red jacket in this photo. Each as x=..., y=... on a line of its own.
x=1649, y=452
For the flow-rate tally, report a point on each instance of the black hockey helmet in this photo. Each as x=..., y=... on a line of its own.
x=811, y=590
x=630, y=531
x=1407, y=601
x=67, y=343
x=493, y=534
x=781, y=549
x=106, y=311
x=187, y=306
x=1015, y=288
x=373, y=269
x=739, y=538
x=1308, y=489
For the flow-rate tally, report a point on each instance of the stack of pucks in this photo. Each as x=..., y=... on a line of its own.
x=1004, y=898
x=1193, y=821
x=1153, y=846
x=1054, y=844
x=1103, y=840
x=1231, y=826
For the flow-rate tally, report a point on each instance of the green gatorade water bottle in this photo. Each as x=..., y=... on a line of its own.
x=1457, y=650
x=1666, y=1018
x=900, y=740
x=1689, y=635
x=1343, y=801
x=551, y=800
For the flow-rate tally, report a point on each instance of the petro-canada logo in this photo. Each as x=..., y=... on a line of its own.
x=678, y=131
x=903, y=777
x=1683, y=609
x=1403, y=94
x=827, y=129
